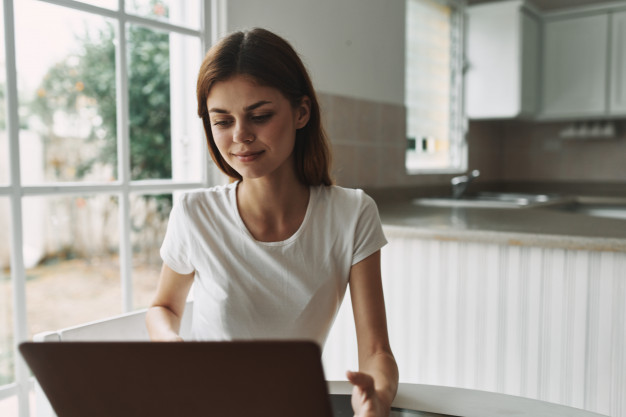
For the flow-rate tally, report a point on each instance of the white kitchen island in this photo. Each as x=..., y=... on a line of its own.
x=433, y=401
x=530, y=303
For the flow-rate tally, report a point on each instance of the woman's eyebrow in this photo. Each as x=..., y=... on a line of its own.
x=256, y=105
x=247, y=108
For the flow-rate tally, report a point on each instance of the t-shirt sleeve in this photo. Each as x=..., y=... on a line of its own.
x=369, y=236
x=175, y=247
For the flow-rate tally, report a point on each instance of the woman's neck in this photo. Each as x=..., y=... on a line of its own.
x=272, y=210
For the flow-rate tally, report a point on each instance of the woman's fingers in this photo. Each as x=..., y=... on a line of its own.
x=363, y=381
x=365, y=401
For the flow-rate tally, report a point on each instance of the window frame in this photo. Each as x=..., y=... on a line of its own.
x=123, y=187
x=458, y=119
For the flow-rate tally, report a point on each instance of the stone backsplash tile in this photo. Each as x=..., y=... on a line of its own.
x=535, y=152
x=369, y=142
x=367, y=138
x=345, y=165
x=368, y=127
x=392, y=125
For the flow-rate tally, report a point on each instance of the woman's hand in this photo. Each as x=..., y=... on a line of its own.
x=365, y=399
x=172, y=338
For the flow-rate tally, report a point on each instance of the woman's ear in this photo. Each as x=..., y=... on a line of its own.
x=303, y=112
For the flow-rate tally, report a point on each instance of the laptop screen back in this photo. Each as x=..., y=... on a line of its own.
x=116, y=379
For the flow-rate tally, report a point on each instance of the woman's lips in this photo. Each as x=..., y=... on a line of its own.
x=247, y=156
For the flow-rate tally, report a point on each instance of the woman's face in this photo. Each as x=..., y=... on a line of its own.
x=254, y=127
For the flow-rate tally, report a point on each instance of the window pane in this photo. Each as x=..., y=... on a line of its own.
x=149, y=215
x=71, y=247
x=6, y=298
x=9, y=407
x=431, y=48
x=184, y=13
x=4, y=145
x=165, y=136
x=66, y=79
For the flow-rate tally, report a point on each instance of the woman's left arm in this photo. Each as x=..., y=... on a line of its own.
x=376, y=383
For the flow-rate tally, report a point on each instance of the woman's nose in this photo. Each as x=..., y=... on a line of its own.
x=242, y=133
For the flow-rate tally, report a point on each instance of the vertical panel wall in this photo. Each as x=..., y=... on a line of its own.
x=543, y=323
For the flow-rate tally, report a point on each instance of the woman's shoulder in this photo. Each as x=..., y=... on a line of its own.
x=343, y=196
x=339, y=193
x=219, y=194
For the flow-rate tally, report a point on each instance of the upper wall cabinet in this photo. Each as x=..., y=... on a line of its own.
x=617, y=103
x=502, y=73
x=584, y=65
x=575, y=63
x=564, y=65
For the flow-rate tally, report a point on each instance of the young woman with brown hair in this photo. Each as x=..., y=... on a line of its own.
x=272, y=253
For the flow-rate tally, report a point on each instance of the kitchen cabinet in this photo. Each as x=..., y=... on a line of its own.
x=502, y=73
x=563, y=65
x=539, y=322
x=584, y=65
x=575, y=66
x=617, y=104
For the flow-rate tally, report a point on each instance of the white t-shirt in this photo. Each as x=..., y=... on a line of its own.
x=247, y=289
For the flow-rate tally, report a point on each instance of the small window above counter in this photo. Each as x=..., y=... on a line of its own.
x=527, y=63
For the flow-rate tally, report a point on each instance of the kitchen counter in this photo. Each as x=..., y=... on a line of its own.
x=522, y=301
x=523, y=227
x=441, y=401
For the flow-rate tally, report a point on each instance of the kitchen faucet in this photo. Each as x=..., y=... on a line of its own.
x=460, y=183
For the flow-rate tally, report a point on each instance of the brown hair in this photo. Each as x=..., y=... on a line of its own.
x=271, y=61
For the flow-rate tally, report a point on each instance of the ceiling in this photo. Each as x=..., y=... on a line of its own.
x=549, y=4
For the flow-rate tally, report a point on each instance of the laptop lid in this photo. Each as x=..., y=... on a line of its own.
x=188, y=379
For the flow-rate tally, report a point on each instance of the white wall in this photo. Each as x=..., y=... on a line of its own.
x=352, y=48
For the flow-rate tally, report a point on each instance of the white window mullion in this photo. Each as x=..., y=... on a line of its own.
x=209, y=11
x=218, y=18
x=8, y=390
x=215, y=13
x=18, y=274
x=140, y=187
x=123, y=164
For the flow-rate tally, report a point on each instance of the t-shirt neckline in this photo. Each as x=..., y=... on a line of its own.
x=244, y=229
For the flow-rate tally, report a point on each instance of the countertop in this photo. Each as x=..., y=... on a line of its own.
x=542, y=227
x=433, y=400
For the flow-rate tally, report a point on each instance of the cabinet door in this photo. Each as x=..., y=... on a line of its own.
x=531, y=32
x=492, y=80
x=617, y=91
x=575, y=66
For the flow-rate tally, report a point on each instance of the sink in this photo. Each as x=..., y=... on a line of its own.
x=493, y=200
x=609, y=207
x=614, y=208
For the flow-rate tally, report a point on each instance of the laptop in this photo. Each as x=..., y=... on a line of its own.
x=225, y=379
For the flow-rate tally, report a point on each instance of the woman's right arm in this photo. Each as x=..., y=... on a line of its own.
x=166, y=311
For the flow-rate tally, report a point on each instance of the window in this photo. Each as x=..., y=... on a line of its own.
x=433, y=83
x=98, y=132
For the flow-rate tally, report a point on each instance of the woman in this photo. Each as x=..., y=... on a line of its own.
x=272, y=252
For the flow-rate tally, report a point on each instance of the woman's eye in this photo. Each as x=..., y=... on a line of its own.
x=261, y=117
x=221, y=123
